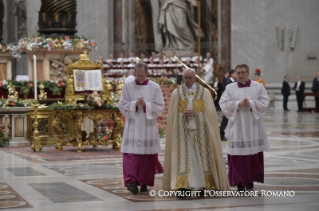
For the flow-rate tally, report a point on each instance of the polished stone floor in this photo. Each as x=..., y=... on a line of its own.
x=29, y=181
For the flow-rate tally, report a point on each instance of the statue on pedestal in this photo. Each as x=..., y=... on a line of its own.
x=177, y=22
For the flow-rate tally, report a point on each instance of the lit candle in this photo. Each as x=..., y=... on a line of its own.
x=35, y=77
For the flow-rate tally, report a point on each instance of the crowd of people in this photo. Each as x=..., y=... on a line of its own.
x=299, y=88
x=165, y=66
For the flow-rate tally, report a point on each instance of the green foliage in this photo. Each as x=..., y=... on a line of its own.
x=63, y=106
x=115, y=101
x=16, y=103
x=27, y=86
x=4, y=141
x=161, y=132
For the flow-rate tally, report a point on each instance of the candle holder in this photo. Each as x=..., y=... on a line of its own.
x=36, y=143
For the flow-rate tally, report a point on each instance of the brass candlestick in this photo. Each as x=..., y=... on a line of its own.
x=36, y=143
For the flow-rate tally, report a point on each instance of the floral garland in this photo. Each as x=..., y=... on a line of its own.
x=115, y=101
x=27, y=86
x=62, y=106
x=162, y=81
x=33, y=43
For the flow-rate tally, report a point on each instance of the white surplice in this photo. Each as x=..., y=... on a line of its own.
x=196, y=175
x=140, y=134
x=245, y=132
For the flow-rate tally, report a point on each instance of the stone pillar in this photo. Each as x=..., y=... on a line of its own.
x=117, y=28
x=19, y=129
x=226, y=33
x=1, y=19
x=129, y=27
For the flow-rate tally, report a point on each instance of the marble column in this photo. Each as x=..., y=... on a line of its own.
x=129, y=27
x=117, y=28
x=226, y=33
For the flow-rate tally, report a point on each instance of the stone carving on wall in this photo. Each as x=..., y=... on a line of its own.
x=58, y=68
x=177, y=23
x=20, y=12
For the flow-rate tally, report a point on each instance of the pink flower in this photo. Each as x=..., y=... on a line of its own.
x=58, y=85
x=62, y=83
x=66, y=37
x=106, y=137
x=81, y=40
x=12, y=104
x=50, y=44
x=1, y=84
x=30, y=84
x=92, y=43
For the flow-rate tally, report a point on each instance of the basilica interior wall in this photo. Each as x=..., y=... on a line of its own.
x=94, y=20
x=256, y=42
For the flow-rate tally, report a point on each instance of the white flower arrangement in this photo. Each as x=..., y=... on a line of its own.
x=33, y=43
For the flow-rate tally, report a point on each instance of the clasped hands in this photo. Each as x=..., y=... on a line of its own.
x=140, y=102
x=189, y=113
x=244, y=102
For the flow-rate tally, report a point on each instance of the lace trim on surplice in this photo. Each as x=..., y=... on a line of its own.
x=141, y=142
x=246, y=144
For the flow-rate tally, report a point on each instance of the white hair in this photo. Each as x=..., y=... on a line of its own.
x=189, y=69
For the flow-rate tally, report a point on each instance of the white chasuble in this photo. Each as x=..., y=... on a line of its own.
x=193, y=153
x=140, y=134
x=196, y=175
x=245, y=132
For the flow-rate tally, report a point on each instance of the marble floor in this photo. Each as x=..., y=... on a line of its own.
x=30, y=181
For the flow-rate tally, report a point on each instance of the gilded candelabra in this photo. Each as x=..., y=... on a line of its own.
x=36, y=143
x=42, y=95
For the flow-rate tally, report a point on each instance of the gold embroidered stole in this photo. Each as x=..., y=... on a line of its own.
x=180, y=174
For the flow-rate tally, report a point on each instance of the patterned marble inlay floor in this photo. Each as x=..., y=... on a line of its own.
x=10, y=199
x=93, y=180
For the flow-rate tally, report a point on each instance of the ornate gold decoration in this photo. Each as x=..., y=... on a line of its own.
x=199, y=78
x=36, y=144
x=80, y=139
x=42, y=95
x=181, y=181
x=182, y=105
x=12, y=96
x=107, y=89
x=119, y=88
x=209, y=183
x=199, y=106
x=84, y=63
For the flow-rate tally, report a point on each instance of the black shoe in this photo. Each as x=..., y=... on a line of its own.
x=224, y=139
x=183, y=193
x=202, y=193
x=250, y=185
x=240, y=188
x=133, y=188
x=286, y=110
x=144, y=189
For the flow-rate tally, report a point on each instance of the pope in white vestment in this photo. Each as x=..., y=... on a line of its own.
x=193, y=153
x=141, y=103
x=244, y=104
